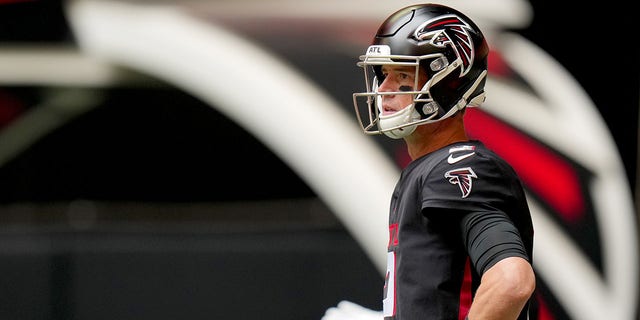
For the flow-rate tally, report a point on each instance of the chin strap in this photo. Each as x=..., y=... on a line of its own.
x=479, y=99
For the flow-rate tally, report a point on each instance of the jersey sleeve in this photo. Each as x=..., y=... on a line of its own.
x=490, y=237
x=469, y=185
x=479, y=195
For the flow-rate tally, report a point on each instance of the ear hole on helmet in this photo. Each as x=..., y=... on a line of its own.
x=448, y=90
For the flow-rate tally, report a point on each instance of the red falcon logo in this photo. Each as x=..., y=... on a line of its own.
x=461, y=177
x=449, y=30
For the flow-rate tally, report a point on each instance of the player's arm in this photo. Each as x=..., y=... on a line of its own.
x=504, y=290
x=497, y=252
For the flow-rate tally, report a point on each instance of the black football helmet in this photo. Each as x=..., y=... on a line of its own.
x=438, y=40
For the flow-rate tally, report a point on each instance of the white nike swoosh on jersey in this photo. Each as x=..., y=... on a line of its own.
x=453, y=159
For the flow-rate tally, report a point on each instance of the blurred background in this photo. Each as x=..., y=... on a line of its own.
x=200, y=159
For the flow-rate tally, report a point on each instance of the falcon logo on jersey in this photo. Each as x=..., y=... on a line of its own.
x=463, y=178
x=449, y=30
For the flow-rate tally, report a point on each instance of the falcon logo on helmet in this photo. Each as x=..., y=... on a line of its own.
x=449, y=30
x=462, y=177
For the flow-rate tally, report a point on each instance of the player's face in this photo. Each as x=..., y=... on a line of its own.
x=399, y=78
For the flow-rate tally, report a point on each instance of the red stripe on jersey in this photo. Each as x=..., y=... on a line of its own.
x=543, y=310
x=393, y=235
x=465, y=291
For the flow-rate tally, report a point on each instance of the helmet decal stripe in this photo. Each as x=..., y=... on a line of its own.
x=449, y=30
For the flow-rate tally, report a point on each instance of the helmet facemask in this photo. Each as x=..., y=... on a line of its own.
x=423, y=108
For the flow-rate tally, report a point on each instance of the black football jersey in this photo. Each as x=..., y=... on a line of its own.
x=435, y=259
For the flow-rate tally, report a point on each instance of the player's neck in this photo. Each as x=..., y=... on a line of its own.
x=430, y=137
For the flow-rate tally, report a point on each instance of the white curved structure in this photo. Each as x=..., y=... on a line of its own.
x=304, y=127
